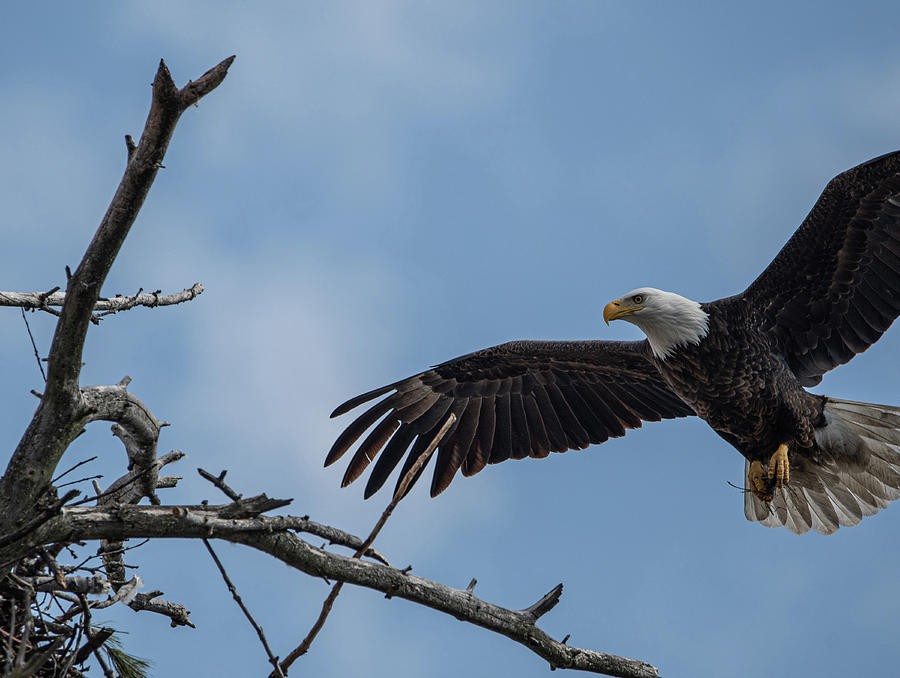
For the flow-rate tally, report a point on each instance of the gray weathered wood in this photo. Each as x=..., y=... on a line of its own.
x=268, y=534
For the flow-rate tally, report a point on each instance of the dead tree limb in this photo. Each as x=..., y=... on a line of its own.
x=62, y=412
x=43, y=301
x=267, y=534
x=304, y=524
x=27, y=496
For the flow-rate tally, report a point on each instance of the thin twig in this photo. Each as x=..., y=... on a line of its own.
x=334, y=535
x=37, y=355
x=273, y=660
x=219, y=481
x=80, y=463
x=38, y=660
x=29, y=625
x=93, y=641
x=9, y=637
x=83, y=563
x=113, y=489
x=412, y=473
x=80, y=480
x=69, y=654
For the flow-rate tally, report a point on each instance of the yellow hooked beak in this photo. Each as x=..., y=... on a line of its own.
x=616, y=309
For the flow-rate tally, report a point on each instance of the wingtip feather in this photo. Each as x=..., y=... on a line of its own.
x=355, y=402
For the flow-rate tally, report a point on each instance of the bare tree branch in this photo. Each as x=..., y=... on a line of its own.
x=304, y=524
x=37, y=520
x=151, y=602
x=138, y=430
x=62, y=411
x=336, y=536
x=267, y=534
x=273, y=660
x=219, y=481
x=135, y=426
x=94, y=585
x=38, y=659
x=37, y=355
x=42, y=301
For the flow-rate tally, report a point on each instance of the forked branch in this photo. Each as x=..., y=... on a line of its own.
x=62, y=412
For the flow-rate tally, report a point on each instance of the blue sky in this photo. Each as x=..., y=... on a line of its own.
x=379, y=186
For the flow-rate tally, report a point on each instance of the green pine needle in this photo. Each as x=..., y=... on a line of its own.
x=126, y=665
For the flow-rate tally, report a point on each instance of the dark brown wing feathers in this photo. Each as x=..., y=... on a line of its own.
x=834, y=288
x=521, y=399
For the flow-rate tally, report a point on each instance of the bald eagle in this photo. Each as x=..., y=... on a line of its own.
x=742, y=364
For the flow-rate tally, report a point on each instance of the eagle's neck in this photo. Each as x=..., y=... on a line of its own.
x=674, y=322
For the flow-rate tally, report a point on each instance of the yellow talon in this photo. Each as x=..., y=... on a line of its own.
x=779, y=467
x=756, y=478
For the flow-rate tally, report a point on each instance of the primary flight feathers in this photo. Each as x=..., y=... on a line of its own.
x=516, y=400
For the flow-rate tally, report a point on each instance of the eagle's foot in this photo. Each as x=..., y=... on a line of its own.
x=757, y=480
x=779, y=467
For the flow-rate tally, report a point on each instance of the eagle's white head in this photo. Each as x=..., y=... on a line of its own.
x=669, y=320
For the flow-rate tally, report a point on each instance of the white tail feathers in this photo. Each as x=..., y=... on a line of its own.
x=856, y=474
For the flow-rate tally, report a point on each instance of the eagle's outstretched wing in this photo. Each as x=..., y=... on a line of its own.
x=516, y=400
x=834, y=288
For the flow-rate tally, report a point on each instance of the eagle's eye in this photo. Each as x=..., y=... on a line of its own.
x=638, y=298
